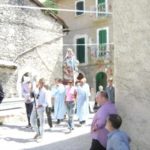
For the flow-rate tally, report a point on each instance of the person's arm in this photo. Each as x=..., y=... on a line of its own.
x=100, y=122
x=23, y=91
x=25, y=94
x=66, y=94
x=114, y=93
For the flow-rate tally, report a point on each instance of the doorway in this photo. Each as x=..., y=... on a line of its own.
x=101, y=79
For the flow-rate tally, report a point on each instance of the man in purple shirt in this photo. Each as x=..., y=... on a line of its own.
x=98, y=131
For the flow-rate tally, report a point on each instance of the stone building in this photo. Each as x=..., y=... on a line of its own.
x=90, y=37
x=131, y=21
x=31, y=43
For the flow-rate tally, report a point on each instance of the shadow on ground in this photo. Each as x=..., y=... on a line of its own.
x=18, y=140
x=77, y=143
x=21, y=128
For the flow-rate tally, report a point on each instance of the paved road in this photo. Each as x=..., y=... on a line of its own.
x=13, y=135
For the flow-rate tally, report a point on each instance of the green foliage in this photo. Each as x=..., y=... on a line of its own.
x=51, y=4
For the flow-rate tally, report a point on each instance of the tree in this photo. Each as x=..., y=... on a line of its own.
x=50, y=4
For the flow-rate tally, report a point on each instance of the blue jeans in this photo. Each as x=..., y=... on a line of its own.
x=33, y=120
x=70, y=106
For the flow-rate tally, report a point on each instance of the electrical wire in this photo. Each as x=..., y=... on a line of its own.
x=86, y=44
x=52, y=9
x=59, y=9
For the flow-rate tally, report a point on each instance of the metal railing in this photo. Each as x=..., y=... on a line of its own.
x=105, y=51
x=104, y=9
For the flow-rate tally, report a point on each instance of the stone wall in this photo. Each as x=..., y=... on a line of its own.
x=7, y=80
x=131, y=37
x=38, y=35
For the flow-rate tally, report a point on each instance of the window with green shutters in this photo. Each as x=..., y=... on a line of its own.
x=79, y=7
x=101, y=6
x=102, y=42
x=80, y=50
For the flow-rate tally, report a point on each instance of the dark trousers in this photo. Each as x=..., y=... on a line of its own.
x=29, y=107
x=96, y=145
x=49, y=117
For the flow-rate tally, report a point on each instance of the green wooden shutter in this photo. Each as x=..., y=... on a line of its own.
x=102, y=42
x=101, y=1
x=81, y=50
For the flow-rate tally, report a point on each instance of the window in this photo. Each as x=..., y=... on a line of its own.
x=102, y=41
x=80, y=49
x=101, y=7
x=79, y=7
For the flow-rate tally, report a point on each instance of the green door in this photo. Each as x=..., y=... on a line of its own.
x=81, y=50
x=101, y=79
x=102, y=42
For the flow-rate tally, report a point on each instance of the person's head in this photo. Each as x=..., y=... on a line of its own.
x=47, y=87
x=110, y=82
x=101, y=97
x=100, y=88
x=41, y=83
x=80, y=76
x=60, y=81
x=82, y=81
x=56, y=81
x=26, y=80
x=70, y=82
x=114, y=122
x=70, y=52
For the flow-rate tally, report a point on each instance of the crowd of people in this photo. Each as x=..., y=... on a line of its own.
x=74, y=98
x=65, y=99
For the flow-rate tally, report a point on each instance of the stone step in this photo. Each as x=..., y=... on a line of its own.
x=11, y=107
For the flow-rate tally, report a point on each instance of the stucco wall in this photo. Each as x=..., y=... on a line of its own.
x=131, y=38
x=25, y=29
x=85, y=24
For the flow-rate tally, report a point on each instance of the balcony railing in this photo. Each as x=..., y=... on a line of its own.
x=105, y=51
x=104, y=10
x=101, y=8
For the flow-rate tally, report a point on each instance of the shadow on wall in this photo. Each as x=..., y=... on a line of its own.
x=77, y=143
x=57, y=70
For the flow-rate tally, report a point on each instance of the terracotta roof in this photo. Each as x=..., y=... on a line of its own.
x=7, y=64
x=57, y=18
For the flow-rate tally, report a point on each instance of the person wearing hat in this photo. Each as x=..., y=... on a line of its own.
x=26, y=94
x=70, y=103
x=110, y=90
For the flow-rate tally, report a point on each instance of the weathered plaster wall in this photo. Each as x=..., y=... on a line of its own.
x=132, y=68
x=25, y=29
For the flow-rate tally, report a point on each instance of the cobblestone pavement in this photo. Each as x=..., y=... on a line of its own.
x=14, y=135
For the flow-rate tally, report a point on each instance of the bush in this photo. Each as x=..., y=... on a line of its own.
x=50, y=4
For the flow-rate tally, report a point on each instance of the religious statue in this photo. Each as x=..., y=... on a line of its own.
x=70, y=65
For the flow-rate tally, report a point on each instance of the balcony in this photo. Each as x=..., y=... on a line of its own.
x=103, y=11
x=105, y=53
